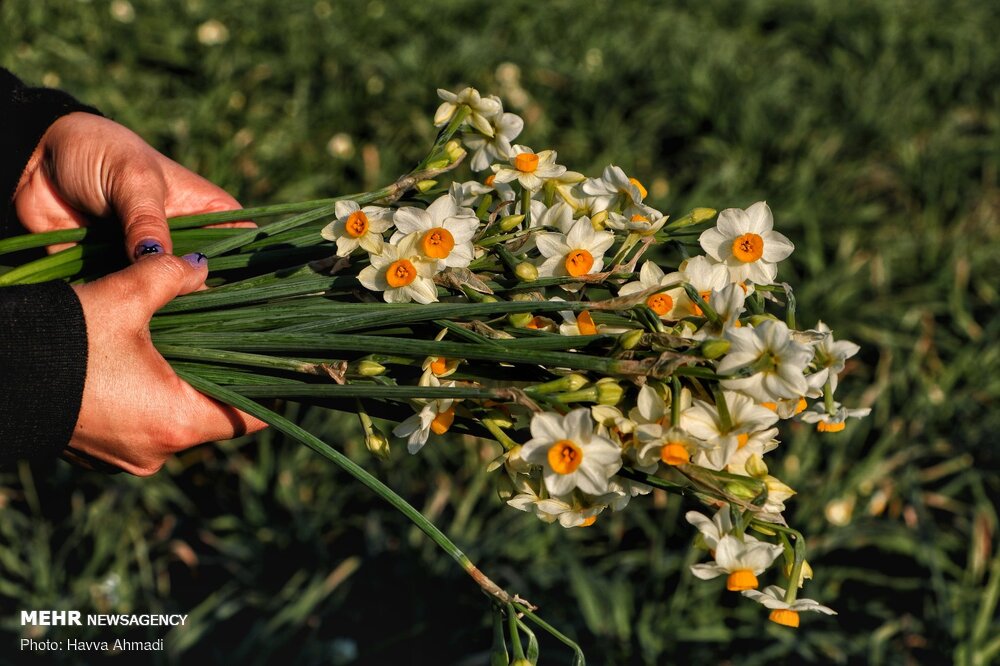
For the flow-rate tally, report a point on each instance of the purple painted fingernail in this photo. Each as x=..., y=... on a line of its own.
x=196, y=259
x=147, y=247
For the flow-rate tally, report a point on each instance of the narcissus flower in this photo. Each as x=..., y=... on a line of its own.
x=401, y=273
x=357, y=227
x=434, y=416
x=830, y=357
x=574, y=254
x=742, y=560
x=782, y=612
x=613, y=187
x=442, y=233
x=487, y=149
x=714, y=528
x=703, y=421
x=570, y=453
x=639, y=219
x=481, y=109
x=706, y=277
x=744, y=240
x=664, y=303
x=835, y=422
x=778, y=360
x=528, y=168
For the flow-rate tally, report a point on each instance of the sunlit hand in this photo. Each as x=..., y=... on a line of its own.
x=136, y=411
x=86, y=165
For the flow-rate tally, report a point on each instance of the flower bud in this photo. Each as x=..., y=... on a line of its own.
x=520, y=319
x=598, y=220
x=369, y=368
x=526, y=271
x=453, y=149
x=425, y=185
x=757, y=320
x=806, y=573
x=521, y=662
x=713, y=348
x=777, y=489
x=702, y=214
x=439, y=163
x=740, y=490
x=609, y=392
x=510, y=222
x=756, y=467
x=631, y=339
x=505, y=487
x=377, y=443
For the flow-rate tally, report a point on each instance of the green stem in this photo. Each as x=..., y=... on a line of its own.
x=385, y=492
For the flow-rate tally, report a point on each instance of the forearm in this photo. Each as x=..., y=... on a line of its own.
x=43, y=362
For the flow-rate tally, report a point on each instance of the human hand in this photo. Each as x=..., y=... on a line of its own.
x=86, y=165
x=136, y=411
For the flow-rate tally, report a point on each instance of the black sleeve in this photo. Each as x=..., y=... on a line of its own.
x=43, y=364
x=25, y=114
x=43, y=336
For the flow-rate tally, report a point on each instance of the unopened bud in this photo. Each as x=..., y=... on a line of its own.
x=377, y=443
x=778, y=489
x=714, y=348
x=598, y=220
x=805, y=573
x=756, y=467
x=520, y=319
x=740, y=490
x=526, y=271
x=425, y=185
x=453, y=149
x=521, y=662
x=757, y=320
x=631, y=339
x=573, y=382
x=487, y=298
x=510, y=222
x=702, y=214
x=368, y=368
x=609, y=392
x=505, y=487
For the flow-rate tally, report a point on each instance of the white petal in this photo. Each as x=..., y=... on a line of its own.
x=409, y=220
x=776, y=247
x=716, y=244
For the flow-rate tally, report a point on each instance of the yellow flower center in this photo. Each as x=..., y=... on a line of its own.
x=585, y=323
x=748, y=247
x=801, y=405
x=490, y=179
x=587, y=522
x=770, y=405
x=674, y=453
x=823, y=426
x=660, y=303
x=784, y=616
x=742, y=440
x=642, y=190
x=741, y=579
x=437, y=243
x=356, y=224
x=579, y=262
x=443, y=421
x=565, y=456
x=639, y=218
x=439, y=365
x=536, y=323
x=400, y=273
x=526, y=162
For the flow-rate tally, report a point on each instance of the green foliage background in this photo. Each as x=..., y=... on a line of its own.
x=872, y=130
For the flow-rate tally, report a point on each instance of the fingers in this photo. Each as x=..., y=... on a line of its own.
x=137, y=192
x=158, y=279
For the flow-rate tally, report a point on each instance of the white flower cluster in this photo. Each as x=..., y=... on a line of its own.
x=534, y=221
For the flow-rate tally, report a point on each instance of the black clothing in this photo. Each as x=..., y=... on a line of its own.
x=43, y=337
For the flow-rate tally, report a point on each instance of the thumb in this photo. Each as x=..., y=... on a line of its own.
x=138, y=195
x=158, y=279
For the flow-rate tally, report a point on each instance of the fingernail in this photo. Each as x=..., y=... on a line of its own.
x=145, y=247
x=196, y=259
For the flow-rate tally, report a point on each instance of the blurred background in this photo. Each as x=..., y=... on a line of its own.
x=871, y=129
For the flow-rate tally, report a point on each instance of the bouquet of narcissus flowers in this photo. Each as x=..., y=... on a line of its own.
x=606, y=347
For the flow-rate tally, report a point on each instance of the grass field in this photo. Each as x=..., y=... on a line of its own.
x=872, y=130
